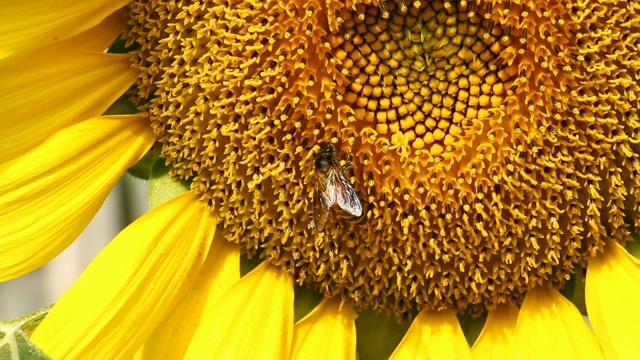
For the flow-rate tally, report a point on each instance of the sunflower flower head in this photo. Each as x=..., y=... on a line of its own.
x=493, y=144
x=427, y=160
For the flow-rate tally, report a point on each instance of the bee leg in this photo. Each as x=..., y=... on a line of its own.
x=347, y=162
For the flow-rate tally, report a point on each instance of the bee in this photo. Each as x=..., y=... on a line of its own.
x=332, y=188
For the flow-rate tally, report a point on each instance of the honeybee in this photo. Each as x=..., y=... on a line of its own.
x=332, y=188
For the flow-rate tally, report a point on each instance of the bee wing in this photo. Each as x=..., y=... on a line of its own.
x=323, y=199
x=346, y=196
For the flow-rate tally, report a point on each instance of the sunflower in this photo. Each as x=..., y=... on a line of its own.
x=492, y=146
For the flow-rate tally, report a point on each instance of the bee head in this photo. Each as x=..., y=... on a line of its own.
x=325, y=157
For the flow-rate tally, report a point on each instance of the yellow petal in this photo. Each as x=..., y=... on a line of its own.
x=42, y=94
x=131, y=285
x=329, y=323
x=97, y=38
x=613, y=302
x=551, y=327
x=26, y=25
x=252, y=320
x=49, y=195
x=433, y=335
x=496, y=337
x=221, y=270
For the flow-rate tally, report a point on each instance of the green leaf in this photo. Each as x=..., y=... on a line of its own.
x=633, y=247
x=162, y=186
x=378, y=334
x=119, y=46
x=142, y=170
x=471, y=325
x=122, y=106
x=247, y=264
x=304, y=301
x=14, y=341
x=573, y=289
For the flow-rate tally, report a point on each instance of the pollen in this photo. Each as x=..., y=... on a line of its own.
x=493, y=145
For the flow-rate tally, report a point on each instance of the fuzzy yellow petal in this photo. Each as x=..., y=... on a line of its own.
x=433, y=335
x=252, y=320
x=42, y=94
x=329, y=323
x=131, y=285
x=26, y=25
x=551, y=327
x=221, y=270
x=496, y=338
x=49, y=195
x=97, y=38
x=613, y=302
